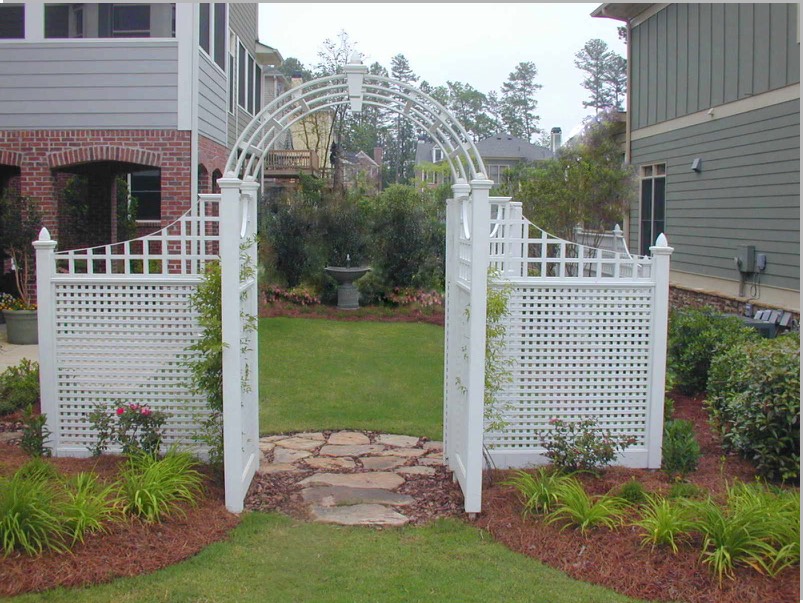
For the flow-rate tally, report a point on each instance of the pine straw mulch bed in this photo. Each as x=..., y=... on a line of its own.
x=616, y=559
x=414, y=313
x=129, y=548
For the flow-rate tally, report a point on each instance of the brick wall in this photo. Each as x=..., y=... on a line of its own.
x=213, y=157
x=40, y=153
x=680, y=297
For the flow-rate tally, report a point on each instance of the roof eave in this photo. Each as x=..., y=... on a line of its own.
x=619, y=11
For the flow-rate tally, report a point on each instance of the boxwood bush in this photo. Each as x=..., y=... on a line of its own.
x=695, y=338
x=754, y=401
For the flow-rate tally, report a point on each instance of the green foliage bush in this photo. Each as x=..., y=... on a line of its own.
x=19, y=387
x=151, y=488
x=35, y=433
x=696, y=337
x=680, y=452
x=135, y=427
x=581, y=445
x=754, y=401
x=633, y=492
x=538, y=491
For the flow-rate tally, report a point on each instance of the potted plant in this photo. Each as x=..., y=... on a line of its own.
x=20, y=222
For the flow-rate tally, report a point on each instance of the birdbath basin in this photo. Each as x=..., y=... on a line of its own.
x=348, y=297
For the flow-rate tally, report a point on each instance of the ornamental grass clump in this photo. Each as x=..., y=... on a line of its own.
x=88, y=506
x=582, y=445
x=539, y=491
x=577, y=508
x=664, y=522
x=151, y=488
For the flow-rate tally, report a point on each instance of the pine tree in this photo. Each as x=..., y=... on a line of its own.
x=518, y=102
x=401, y=147
x=593, y=60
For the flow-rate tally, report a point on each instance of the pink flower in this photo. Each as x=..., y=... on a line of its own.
x=146, y=411
x=120, y=411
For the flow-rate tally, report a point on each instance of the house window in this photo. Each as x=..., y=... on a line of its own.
x=232, y=71
x=145, y=187
x=437, y=154
x=257, y=88
x=131, y=20
x=12, y=21
x=212, y=32
x=241, y=79
x=653, y=204
x=57, y=21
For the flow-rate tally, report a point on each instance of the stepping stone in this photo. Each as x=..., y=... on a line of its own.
x=330, y=463
x=380, y=463
x=405, y=452
x=296, y=443
x=310, y=435
x=348, y=438
x=433, y=446
x=359, y=450
x=266, y=447
x=386, y=480
x=415, y=471
x=277, y=468
x=273, y=438
x=430, y=461
x=359, y=515
x=402, y=441
x=338, y=496
x=286, y=455
x=9, y=436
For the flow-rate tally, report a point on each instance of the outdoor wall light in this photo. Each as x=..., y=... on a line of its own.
x=697, y=165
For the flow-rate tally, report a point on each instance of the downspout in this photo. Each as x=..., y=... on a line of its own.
x=194, y=117
x=628, y=116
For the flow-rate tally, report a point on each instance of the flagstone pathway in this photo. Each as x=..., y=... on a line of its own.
x=354, y=478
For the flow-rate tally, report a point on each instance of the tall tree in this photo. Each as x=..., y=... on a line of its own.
x=518, y=103
x=605, y=75
x=470, y=107
x=402, y=143
x=292, y=67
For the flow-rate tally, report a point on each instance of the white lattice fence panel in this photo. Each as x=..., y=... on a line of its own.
x=123, y=342
x=578, y=350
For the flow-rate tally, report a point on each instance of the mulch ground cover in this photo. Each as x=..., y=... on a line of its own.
x=616, y=559
x=129, y=548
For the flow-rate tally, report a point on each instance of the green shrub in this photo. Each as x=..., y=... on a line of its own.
x=151, y=488
x=754, y=402
x=664, y=523
x=30, y=516
x=686, y=490
x=136, y=427
x=581, y=445
x=632, y=491
x=695, y=338
x=539, y=491
x=19, y=386
x=35, y=433
x=680, y=452
x=584, y=511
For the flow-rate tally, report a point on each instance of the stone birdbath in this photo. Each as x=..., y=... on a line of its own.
x=348, y=297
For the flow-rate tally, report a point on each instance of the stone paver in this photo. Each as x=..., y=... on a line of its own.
x=318, y=462
x=348, y=438
x=355, y=480
x=374, y=479
x=405, y=452
x=415, y=471
x=288, y=455
x=359, y=515
x=356, y=450
x=401, y=441
x=297, y=443
x=380, y=463
x=331, y=496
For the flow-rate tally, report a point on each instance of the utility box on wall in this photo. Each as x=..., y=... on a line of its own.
x=746, y=258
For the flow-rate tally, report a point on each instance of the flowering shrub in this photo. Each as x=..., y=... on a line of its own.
x=405, y=296
x=301, y=295
x=136, y=427
x=9, y=302
x=582, y=445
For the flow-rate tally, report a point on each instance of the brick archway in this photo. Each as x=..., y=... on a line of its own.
x=103, y=153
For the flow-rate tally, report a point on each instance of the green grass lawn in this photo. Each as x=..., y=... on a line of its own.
x=273, y=558
x=324, y=374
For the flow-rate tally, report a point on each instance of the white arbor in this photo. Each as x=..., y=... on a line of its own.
x=586, y=330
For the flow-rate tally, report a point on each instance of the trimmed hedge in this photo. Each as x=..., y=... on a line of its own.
x=695, y=338
x=754, y=401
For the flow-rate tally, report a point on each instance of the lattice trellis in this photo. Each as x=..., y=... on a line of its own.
x=120, y=323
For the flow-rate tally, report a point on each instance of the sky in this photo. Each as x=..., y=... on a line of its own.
x=475, y=43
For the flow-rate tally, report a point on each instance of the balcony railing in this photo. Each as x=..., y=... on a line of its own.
x=291, y=163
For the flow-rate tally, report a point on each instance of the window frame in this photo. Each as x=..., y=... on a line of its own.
x=211, y=34
x=652, y=173
x=126, y=33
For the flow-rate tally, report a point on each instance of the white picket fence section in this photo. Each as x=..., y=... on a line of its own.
x=114, y=325
x=586, y=338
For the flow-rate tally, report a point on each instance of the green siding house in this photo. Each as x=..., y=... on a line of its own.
x=713, y=128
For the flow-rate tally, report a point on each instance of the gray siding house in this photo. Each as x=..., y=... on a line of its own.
x=713, y=127
x=152, y=93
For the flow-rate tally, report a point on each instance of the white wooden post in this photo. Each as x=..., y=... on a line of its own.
x=661, y=253
x=46, y=324
x=480, y=243
x=250, y=190
x=233, y=452
x=516, y=242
